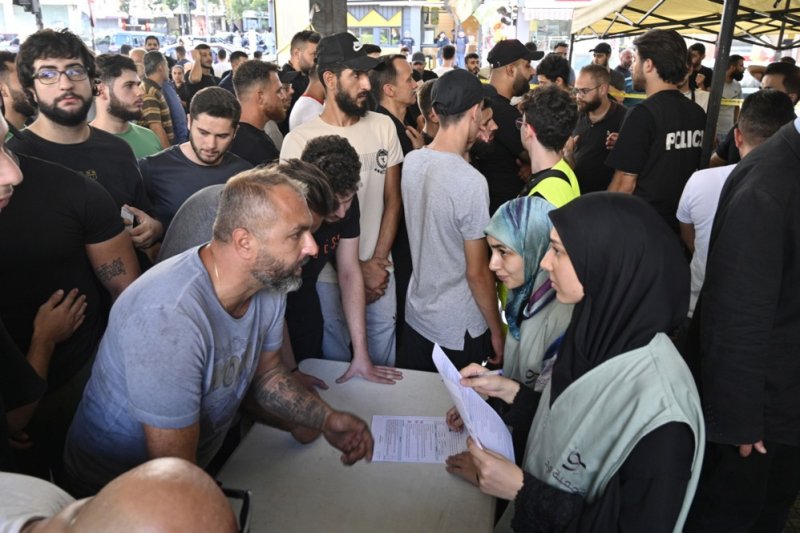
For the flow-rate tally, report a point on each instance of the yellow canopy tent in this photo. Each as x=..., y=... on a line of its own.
x=766, y=23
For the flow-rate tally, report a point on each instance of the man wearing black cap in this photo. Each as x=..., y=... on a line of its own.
x=342, y=66
x=444, y=306
x=418, y=66
x=601, y=55
x=511, y=71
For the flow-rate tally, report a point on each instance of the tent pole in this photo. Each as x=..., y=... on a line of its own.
x=718, y=80
x=571, y=43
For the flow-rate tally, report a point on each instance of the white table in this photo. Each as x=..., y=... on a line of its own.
x=305, y=488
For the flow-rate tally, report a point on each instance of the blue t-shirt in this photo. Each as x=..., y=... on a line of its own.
x=171, y=356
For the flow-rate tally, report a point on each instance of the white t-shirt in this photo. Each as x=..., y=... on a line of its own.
x=25, y=498
x=220, y=68
x=726, y=112
x=305, y=109
x=374, y=138
x=441, y=70
x=700, y=98
x=698, y=206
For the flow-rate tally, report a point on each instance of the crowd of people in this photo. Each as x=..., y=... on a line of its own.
x=177, y=238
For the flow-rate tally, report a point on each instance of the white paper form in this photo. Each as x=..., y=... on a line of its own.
x=415, y=439
x=482, y=422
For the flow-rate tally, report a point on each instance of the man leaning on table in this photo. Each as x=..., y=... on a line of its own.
x=198, y=336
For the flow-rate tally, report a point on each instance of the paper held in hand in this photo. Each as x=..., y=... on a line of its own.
x=482, y=422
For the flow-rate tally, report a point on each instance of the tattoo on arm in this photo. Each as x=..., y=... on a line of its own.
x=108, y=271
x=277, y=392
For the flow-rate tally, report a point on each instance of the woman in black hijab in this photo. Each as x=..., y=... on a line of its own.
x=617, y=440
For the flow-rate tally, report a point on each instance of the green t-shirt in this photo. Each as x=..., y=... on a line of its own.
x=142, y=140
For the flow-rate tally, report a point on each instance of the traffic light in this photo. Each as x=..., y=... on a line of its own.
x=31, y=6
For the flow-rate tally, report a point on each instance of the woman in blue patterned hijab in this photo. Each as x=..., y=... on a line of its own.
x=519, y=236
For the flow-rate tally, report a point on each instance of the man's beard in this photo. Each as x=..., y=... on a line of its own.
x=63, y=117
x=639, y=81
x=121, y=111
x=201, y=158
x=349, y=106
x=275, y=276
x=588, y=107
x=21, y=105
x=521, y=86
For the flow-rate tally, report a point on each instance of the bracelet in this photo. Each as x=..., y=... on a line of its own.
x=295, y=369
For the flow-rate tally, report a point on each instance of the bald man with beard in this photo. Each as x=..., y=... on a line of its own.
x=162, y=494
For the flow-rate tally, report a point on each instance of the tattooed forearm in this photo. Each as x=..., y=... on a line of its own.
x=108, y=271
x=278, y=393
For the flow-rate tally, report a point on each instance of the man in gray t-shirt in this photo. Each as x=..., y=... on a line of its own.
x=199, y=334
x=451, y=296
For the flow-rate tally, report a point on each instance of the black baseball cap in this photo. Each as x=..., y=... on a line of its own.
x=510, y=50
x=602, y=48
x=344, y=49
x=456, y=91
x=417, y=57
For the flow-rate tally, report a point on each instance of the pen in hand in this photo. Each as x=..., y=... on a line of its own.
x=488, y=373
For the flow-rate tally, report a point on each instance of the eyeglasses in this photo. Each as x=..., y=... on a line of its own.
x=244, y=511
x=49, y=76
x=584, y=92
x=520, y=122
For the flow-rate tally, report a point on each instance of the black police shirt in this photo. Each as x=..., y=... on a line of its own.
x=661, y=141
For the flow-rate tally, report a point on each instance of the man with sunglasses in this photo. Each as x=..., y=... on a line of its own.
x=56, y=71
x=599, y=117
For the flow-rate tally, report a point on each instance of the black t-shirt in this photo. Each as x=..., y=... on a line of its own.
x=227, y=83
x=190, y=89
x=44, y=230
x=660, y=141
x=405, y=142
x=425, y=76
x=727, y=149
x=590, y=151
x=303, y=312
x=254, y=145
x=103, y=157
x=170, y=178
x=498, y=163
x=19, y=385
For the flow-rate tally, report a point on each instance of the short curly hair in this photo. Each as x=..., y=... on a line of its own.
x=337, y=159
x=61, y=44
x=553, y=115
x=554, y=66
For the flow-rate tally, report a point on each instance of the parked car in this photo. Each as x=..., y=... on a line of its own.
x=113, y=41
x=169, y=50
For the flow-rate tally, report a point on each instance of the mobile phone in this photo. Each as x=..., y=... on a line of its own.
x=127, y=217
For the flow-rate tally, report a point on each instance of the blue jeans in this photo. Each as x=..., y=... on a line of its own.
x=380, y=318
